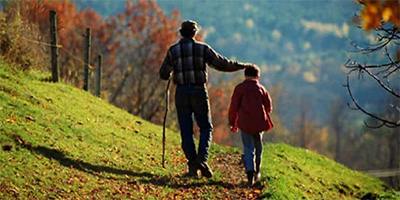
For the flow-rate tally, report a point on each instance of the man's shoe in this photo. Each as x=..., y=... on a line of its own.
x=205, y=170
x=250, y=178
x=190, y=174
x=192, y=170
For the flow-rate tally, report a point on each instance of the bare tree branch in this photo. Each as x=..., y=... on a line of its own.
x=385, y=37
x=380, y=124
x=385, y=122
x=379, y=81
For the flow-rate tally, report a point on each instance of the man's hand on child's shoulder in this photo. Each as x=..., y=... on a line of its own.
x=249, y=65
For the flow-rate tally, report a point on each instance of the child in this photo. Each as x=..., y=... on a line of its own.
x=249, y=112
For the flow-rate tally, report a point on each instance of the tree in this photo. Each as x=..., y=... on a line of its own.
x=337, y=118
x=303, y=123
x=394, y=143
x=143, y=34
x=383, y=17
x=220, y=92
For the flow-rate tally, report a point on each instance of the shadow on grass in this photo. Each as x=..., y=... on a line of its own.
x=140, y=177
x=184, y=182
x=81, y=165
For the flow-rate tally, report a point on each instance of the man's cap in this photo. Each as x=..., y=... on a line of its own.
x=189, y=25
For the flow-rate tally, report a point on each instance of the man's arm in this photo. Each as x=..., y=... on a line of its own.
x=166, y=67
x=221, y=63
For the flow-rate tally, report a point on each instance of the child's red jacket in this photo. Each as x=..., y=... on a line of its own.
x=250, y=107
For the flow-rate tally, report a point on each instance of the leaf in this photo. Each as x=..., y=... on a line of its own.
x=29, y=118
x=11, y=120
x=70, y=180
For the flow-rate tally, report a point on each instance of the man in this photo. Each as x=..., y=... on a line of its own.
x=187, y=60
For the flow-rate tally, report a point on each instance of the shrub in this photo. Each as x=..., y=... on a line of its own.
x=19, y=42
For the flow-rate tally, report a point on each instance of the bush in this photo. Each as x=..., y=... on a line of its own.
x=19, y=42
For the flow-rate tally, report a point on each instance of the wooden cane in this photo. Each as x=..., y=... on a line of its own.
x=165, y=121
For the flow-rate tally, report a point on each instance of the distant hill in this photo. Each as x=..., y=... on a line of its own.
x=59, y=142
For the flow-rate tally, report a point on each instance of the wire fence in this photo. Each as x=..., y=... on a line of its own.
x=41, y=42
x=84, y=60
x=59, y=46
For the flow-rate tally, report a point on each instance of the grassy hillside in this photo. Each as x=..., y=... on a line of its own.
x=58, y=141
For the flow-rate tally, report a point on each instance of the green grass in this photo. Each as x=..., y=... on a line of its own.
x=66, y=143
x=70, y=127
x=295, y=173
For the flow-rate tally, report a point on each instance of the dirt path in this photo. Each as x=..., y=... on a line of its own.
x=233, y=172
x=231, y=183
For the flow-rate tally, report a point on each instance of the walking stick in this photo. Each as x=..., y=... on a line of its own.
x=165, y=121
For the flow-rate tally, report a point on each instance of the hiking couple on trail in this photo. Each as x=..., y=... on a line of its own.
x=187, y=61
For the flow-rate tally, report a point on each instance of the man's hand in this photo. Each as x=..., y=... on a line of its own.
x=249, y=65
x=234, y=129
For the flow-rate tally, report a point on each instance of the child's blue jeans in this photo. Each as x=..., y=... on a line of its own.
x=252, y=150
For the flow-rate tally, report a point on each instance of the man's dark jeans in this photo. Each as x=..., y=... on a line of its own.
x=189, y=100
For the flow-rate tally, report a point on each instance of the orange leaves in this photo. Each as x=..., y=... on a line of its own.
x=220, y=97
x=391, y=12
x=375, y=12
x=145, y=23
x=370, y=15
x=12, y=119
x=71, y=24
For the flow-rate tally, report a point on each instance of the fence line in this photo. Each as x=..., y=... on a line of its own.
x=86, y=57
x=41, y=42
x=77, y=58
x=60, y=47
x=55, y=46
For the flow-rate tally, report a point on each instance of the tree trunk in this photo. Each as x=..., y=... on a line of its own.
x=394, y=154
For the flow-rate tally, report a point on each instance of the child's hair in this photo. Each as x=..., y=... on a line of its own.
x=252, y=71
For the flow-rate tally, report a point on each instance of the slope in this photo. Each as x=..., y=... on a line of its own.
x=60, y=142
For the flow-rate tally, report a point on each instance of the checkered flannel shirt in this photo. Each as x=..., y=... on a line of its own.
x=188, y=59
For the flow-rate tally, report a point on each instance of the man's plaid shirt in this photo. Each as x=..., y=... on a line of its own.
x=188, y=60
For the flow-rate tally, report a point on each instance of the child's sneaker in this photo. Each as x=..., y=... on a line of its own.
x=257, y=177
x=250, y=178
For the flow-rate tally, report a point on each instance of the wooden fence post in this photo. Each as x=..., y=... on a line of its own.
x=54, y=47
x=86, y=59
x=98, y=76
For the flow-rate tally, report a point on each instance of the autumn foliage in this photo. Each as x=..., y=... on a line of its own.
x=220, y=97
x=376, y=12
x=143, y=34
x=133, y=44
x=14, y=46
x=71, y=24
